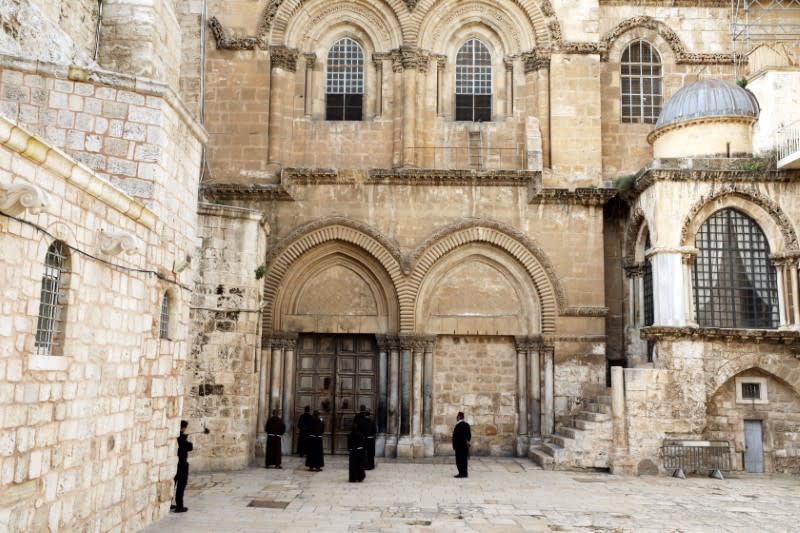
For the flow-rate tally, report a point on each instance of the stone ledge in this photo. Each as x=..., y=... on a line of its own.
x=238, y=191
x=758, y=336
x=579, y=196
x=422, y=176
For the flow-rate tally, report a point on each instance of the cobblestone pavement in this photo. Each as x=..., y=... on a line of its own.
x=501, y=495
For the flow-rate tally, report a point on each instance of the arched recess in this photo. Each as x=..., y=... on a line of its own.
x=783, y=368
x=522, y=21
x=522, y=248
x=336, y=288
x=634, y=235
x=385, y=255
x=767, y=213
x=477, y=288
x=297, y=22
x=440, y=21
x=647, y=28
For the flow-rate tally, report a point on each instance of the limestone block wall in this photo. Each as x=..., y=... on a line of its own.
x=87, y=438
x=476, y=375
x=222, y=375
x=192, y=19
x=142, y=38
x=778, y=94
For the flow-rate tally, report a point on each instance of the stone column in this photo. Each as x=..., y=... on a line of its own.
x=670, y=307
x=282, y=63
x=290, y=343
x=620, y=454
x=276, y=344
x=544, y=112
x=441, y=63
x=509, y=64
x=687, y=259
x=397, y=110
x=427, y=398
x=522, y=345
x=410, y=59
x=393, y=408
x=535, y=388
x=404, y=441
x=263, y=388
x=383, y=368
x=548, y=407
x=308, y=89
x=783, y=296
x=377, y=60
x=795, y=307
x=416, y=398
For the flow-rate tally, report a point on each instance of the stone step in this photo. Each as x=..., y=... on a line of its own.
x=567, y=431
x=598, y=408
x=553, y=450
x=563, y=441
x=540, y=458
x=593, y=417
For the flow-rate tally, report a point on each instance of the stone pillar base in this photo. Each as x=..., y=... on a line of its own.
x=286, y=444
x=380, y=445
x=419, y=447
x=523, y=444
x=261, y=445
x=621, y=463
x=390, y=448
x=427, y=442
x=405, y=447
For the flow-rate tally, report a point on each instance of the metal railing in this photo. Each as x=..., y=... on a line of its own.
x=787, y=140
x=712, y=456
x=469, y=157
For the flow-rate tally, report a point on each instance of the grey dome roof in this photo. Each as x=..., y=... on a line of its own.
x=708, y=98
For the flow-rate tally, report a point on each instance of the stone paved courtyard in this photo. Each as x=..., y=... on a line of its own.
x=501, y=495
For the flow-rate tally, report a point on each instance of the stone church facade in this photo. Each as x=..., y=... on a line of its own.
x=553, y=216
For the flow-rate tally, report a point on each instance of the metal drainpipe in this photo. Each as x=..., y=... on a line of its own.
x=98, y=28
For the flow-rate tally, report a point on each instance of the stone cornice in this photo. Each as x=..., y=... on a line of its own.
x=312, y=176
x=225, y=42
x=757, y=336
x=728, y=119
x=579, y=196
x=667, y=3
x=240, y=191
x=429, y=177
x=585, y=311
x=21, y=141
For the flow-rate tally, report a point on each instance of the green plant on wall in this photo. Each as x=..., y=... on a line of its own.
x=753, y=165
x=625, y=183
x=260, y=271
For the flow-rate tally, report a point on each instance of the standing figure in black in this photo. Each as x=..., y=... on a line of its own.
x=315, y=458
x=182, y=475
x=368, y=428
x=304, y=426
x=355, y=444
x=275, y=429
x=461, y=440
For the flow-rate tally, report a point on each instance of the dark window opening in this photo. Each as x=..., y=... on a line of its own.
x=751, y=391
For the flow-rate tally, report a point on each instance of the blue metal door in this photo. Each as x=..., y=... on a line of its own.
x=753, y=447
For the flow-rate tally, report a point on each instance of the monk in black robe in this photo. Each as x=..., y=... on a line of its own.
x=355, y=444
x=315, y=458
x=369, y=429
x=275, y=429
x=182, y=475
x=304, y=426
x=461, y=441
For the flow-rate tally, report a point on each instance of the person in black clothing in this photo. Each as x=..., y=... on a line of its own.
x=355, y=444
x=315, y=459
x=182, y=475
x=275, y=428
x=461, y=440
x=304, y=426
x=368, y=428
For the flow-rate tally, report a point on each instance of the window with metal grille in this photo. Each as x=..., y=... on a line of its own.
x=751, y=391
x=735, y=283
x=50, y=326
x=640, y=83
x=344, y=89
x=473, y=82
x=647, y=289
x=163, y=327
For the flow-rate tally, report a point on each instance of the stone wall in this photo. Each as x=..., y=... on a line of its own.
x=476, y=375
x=222, y=374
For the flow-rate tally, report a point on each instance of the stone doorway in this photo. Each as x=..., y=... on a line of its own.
x=336, y=374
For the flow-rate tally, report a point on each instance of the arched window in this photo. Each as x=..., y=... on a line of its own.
x=163, y=325
x=640, y=83
x=344, y=89
x=473, y=82
x=735, y=283
x=50, y=326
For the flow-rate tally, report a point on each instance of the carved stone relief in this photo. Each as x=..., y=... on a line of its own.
x=116, y=242
x=18, y=197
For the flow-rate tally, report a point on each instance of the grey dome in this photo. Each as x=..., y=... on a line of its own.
x=708, y=98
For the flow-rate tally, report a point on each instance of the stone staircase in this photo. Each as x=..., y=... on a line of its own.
x=585, y=442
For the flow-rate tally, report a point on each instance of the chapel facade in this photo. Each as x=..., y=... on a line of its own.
x=565, y=219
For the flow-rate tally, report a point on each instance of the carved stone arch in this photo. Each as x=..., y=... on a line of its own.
x=766, y=212
x=652, y=27
x=780, y=366
x=633, y=233
x=315, y=233
x=518, y=245
x=519, y=24
x=295, y=20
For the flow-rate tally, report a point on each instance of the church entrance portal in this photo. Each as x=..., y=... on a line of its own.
x=335, y=375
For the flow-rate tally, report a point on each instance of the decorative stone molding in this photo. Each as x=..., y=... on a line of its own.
x=667, y=3
x=580, y=196
x=750, y=195
x=280, y=339
x=283, y=57
x=232, y=43
x=632, y=231
x=585, y=311
x=536, y=60
x=575, y=47
x=430, y=177
x=547, y=8
x=310, y=58
x=727, y=119
x=757, y=336
x=240, y=191
x=411, y=4
x=267, y=17
x=312, y=176
x=18, y=197
x=528, y=343
x=407, y=57
x=634, y=270
x=116, y=242
x=682, y=55
x=555, y=29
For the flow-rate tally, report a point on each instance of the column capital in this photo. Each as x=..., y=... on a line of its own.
x=311, y=59
x=283, y=57
x=281, y=339
x=527, y=343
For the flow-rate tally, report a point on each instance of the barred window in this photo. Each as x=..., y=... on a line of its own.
x=735, y=283
x=50, y=326
x=163, y=327
x=641, y=83
x=344, y=89
x=473, y=82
